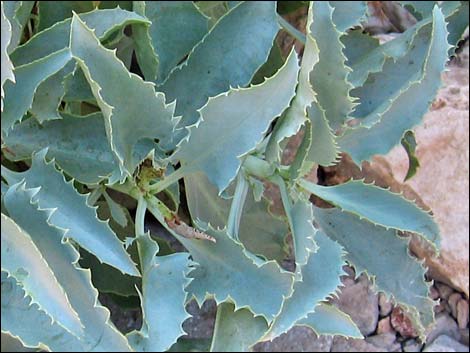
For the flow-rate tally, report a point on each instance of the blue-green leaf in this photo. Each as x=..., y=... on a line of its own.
x=57, y=37
x=328, y=77
x=99, y=64
x=385, y=257
x=329, y=320
x=19, y=95
x=78, y=144
x=17, y=13
x=177, y=26
x=225, y=271
x=236, y=331
x=379, y=206
x=233, y=123
x=228, y=56
x=51, y=12
x=23, y=260
x=408, y=107
x=34, y=327
x=7, y=66
x=320, y=278
x=348, y=14
x=163, y=298
x=73, y=213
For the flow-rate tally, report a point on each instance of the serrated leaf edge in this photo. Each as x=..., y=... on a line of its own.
x=400, y=194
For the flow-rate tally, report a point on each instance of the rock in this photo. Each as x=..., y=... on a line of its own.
x=444, y=325
x=201, y=324
x=439, y=308
x=341, y=344
x=299, y=339
x=387, y=341
x=361, y=303
x=453, y=300
x=412, y=346
x=444, y=290
x=464, y=339
x=402, y=323
x=385, y=326
x=462, y=313
x=445, y=344
x=385, y=305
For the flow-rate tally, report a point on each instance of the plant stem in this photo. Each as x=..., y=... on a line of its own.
x=285, y=199
x=140, y=216
x=294, y=32
x=236, y=208
x=167, y=181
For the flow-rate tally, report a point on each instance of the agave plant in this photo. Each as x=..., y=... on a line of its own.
x=172, y=101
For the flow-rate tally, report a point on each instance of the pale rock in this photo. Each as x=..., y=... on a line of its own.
x=360, y=302
x=462, y=313
x=445, y=344
x=453, y=300
x=385, y=305
x=444, y=325
x=384, y=326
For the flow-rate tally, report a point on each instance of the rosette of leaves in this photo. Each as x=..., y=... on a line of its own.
x=171, y=101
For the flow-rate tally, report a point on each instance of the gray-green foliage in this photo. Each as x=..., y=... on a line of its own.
x=82, y=120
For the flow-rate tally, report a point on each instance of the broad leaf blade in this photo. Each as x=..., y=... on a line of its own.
x=225, y=271
x=320, y=278
x=238, y=278
x=163, y=298
x=177, y=26
x=236, y=331
x=57, y=37
x=394, y=271
x=51, y=12
x=155, y=116
x=329, y=76
x=23, y=260
x=348, y=14
x=379, y=206
x=234, y=123
x=19, y=95
x=62, y=257
x=408, y=108
x=17, y=13
x=78, y=144
x=329, y=320
x=228, y=56
x=7, y=66
x=73, y=213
